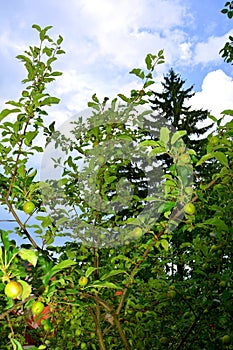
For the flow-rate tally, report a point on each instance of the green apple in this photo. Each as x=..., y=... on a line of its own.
x=78, y=332
x=37, y=307
x=226, y=339
x=214, y=140
x=28, y=207
x=171, y=294
x=83, y=281
x=222, y=284
x=205, y=266
x=13, y=290
x=213, y=248
x=47, y=326
x=185, y=158
x=137, y=232
x=101, y=160
x=163, y=340
x=189, y=208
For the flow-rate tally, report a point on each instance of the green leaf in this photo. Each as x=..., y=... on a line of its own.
x=48, y=51
x=29, y=136
x=0, y=255
x=51, y=60
x=43, y=32
x=220, y=224
x=138, y=72
x=57, y=268
x=157, y=150
x=56, y=74
x=110, y=179
x=164, y=135
x=50, y=100
x=148, y=61
x=212, y=118
x=149, y=143
x=164, y=243
x=89, y=271
x=148, y=83
x=95, y=98
x=63, y=265
x=100, y=284
x=59, y=40
x=177, y=135
x=24, y=59
x=27, y=290
x=14, y=103
x=94, y=105
x=205, y=157
x=29, y=255
x=112, y=273
x=5, y=239
x=167, y=206
x=59, y=52
x=5, y=112
x=160, y=53
x=227, y=112
x=124, y=137
x=37, y=148
x=221, y=157
x=16, y=344
x=123, y=97
x=37, y=27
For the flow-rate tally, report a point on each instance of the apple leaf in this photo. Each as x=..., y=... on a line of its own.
x=112, y=273
x=164, y=135
x=177, y=135
x=27, y=290
x=89, y=271
x=100, y=284
x=55, y=269
x=29, y=255
x=16, y=344
x=164, y=244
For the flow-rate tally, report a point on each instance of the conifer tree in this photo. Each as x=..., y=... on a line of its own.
x=171, y=109
x=171, y=106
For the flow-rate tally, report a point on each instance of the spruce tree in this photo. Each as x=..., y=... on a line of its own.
x=171, y=106
x=171, y=109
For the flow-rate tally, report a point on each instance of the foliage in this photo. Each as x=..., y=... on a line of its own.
x=227, y=51
x=121, y=219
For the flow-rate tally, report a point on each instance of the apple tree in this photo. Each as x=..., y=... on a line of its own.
x=114, y=284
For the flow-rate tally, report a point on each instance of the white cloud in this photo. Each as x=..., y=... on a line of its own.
x=105, y=39
x=9, y=46
x=124, y=32
x=216, y=94
x=185, y=51
x=206, y=52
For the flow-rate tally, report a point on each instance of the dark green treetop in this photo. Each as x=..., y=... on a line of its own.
x=171, y=105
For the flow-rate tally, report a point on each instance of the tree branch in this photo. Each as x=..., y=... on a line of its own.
x=13, y=308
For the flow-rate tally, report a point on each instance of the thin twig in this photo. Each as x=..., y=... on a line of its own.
x=13, y=308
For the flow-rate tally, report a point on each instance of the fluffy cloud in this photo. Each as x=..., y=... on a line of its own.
x=216, y=94
x=206, y=52
x=122, y=34
x=9, y=46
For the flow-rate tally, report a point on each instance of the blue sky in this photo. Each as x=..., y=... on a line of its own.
x=105, y=39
